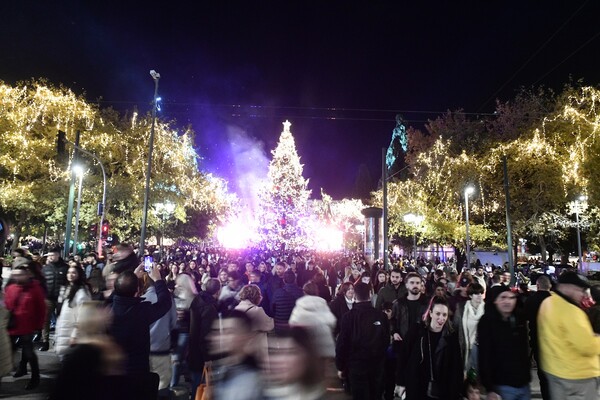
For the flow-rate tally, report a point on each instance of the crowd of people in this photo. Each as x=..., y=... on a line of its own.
x=256, y=324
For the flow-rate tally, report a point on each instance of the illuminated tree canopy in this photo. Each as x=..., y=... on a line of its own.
x=35, y=183
x=551, y=146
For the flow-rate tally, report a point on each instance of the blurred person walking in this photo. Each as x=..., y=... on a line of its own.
x=185, y=292
x=203, y=312
x=311, y=312
x=6, y=359
x=25, y=300
x=569, y=348
x=294, y=370
x=91, y=368
x=236, y=374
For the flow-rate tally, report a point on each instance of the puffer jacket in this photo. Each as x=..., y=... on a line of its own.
x=313, y=313
x=27, y=303
x=56, y=278
x=67, y=321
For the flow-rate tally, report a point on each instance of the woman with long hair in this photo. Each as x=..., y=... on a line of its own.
x=466, y=319
x=76, y=293
x=342, y=303
x=171, y=276
x=185, y=292
x=431, y=368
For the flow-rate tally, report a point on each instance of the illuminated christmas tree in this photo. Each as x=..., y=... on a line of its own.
x=283, y=200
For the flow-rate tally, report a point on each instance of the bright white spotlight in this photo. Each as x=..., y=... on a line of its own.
x=235, y=235
x=329, y=239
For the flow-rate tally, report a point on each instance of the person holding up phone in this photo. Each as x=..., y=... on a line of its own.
x=132, y=317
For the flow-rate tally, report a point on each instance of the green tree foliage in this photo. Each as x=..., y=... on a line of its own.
x=35, y=185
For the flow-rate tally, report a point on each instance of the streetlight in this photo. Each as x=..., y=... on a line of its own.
x=469, y=190
x=155, y=76
x=578, y=202
x=416, y=220
x=78, y=170
x=164, y=210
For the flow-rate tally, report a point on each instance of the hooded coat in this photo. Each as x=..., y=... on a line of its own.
x=313, y=313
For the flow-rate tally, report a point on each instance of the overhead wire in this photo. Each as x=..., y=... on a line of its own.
x=533, y=56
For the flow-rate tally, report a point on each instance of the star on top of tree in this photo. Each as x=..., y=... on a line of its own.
x=286, y=125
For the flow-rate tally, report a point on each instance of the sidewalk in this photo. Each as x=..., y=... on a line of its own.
x=12, y=388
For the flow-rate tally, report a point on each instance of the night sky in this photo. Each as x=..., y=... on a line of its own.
x=338, y=70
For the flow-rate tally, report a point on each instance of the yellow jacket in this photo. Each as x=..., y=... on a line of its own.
x=569, y=349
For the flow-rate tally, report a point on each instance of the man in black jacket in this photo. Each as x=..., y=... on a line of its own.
x=392, y=291
x=55, y=274
x=504, y=366
x=132, y=317
x=532, y=307
x=361, y=346
x=203, y=312
x=284, y=300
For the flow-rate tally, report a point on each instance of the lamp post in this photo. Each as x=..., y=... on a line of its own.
x=78, y=170
x=578, y=202
x=416, y=221
x=164, y=210
x=155, y=76
x=469, y=190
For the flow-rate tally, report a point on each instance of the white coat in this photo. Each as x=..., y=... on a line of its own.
x=67, y=321
x=312, y=312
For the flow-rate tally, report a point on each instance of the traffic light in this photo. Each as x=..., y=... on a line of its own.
x=94, y=231
x=105, y=228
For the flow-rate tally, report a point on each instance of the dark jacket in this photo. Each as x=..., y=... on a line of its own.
x=203, y=312
x=284, y=302
x=532, y=306
x=363, y=339
x=400, y=322
x=339, y=308
x=414, y=372
x=389, y=293
x=56, y=277
x=131, y=326
x=503, y=350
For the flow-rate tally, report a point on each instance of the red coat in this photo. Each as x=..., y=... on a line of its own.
x=31, y=308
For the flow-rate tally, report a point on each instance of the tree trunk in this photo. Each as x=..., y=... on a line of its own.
x=18, y=230
x=543, y=250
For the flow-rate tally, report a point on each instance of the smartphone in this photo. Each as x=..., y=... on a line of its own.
x=148, y=260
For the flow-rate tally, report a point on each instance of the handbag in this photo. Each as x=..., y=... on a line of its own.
x=203, y=391
x=432, y=387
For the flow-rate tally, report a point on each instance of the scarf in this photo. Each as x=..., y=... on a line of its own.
x=470, y=320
